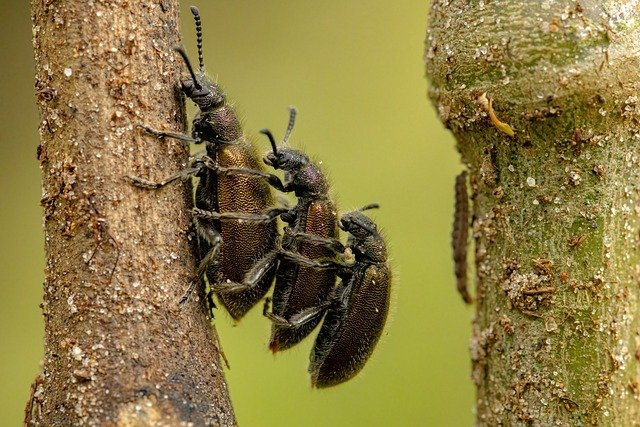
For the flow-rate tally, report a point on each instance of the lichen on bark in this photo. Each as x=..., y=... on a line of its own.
x=555, y=336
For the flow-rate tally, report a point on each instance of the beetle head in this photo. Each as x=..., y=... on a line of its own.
x=285, y=158
x=358, y=224
x=199, y=88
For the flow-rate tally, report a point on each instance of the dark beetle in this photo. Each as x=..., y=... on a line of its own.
x=311, y=233
x=234, y=215
x=356, y=309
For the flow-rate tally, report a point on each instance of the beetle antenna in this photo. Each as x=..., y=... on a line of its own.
x=196, y=17
x=369, y=206
x=271, y=139
x=182, y=53
x=293, y=111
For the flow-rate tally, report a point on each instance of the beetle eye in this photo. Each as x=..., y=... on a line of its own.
x=286, y=161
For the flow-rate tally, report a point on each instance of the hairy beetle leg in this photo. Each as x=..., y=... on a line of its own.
x=209, y=259
x=174, y=135
x=298, y=319
x=144, y=183
x=273, y=180
x=267, y=215
x=334, y=244
x=252, y=278
x=319, y=264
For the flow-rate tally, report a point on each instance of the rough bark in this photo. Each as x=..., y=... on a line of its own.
x=555, y=206
x=119, y=349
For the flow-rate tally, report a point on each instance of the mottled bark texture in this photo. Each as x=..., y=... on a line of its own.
x=119, y=349
x=555, y=206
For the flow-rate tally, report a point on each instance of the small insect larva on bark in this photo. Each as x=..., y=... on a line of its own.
x=460, y=235
x=487, y=104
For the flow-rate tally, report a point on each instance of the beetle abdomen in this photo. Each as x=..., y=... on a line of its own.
x=352, y=327
x=243, y=242
x=298, y=287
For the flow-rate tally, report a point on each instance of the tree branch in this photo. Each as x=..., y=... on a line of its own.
x=119, y=349
x=542, y=99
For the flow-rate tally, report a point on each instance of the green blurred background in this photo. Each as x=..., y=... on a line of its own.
x=354, y=70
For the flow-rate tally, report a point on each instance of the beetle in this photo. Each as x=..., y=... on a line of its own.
x=234, y=214
x=356, y=309
x=311, y=232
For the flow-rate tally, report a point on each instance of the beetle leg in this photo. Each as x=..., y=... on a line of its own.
x=338, y=297
x=280, y=321
x=194, y=169
x=174, y=135
x=209, y=234
x=210, y=258
x=270, y=315
x=260, y=268
x=212, y=306
x=334, y=244
x=143, y=183
x=267, y=215
x=322, y=263
x=252, y=278
x=273, y=180
x=297, y=320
